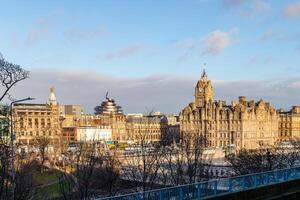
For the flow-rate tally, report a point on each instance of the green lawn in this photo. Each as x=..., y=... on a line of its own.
x=44, y=191
x=50, y=192
x=46, y=177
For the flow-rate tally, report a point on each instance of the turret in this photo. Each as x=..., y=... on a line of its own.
x=203, y=91
x=52, y=97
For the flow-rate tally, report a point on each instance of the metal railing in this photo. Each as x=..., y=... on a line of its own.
x=208, y=189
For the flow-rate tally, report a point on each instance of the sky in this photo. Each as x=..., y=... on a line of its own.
x=150, y=54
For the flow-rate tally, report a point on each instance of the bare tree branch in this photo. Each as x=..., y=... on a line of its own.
x=10, y=75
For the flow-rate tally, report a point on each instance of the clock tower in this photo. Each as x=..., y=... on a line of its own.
x=203, y=91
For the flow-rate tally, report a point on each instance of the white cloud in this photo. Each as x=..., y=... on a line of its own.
x=260, y=6
x=187, y=46
x=125, y=52
x=292, y=10
x=40, y=29
x=270, y=34
x=168, y=94
x=261, y=59
x=248, y=8
x=37, y=32
x=76, y=34
x=216, y=41
x=232, y=3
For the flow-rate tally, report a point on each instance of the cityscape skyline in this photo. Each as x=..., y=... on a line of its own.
x=160, y=91
x=145, y=99
x=154, y=54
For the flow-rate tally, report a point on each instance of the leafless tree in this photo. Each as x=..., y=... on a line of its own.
x=295, y=155
x=107, y=176
x=23, y=178
x=92, y=174
x=186, y=163
x=24, y=183
x=10, y=75
x=42, y=144
x=83, y=164
x=5, y=163
x=143, y=165
x=263, y=159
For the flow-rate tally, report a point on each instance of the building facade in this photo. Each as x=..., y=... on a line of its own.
x=74, y=110
x=146, y=128
x=109, y=114
x=93, y=134
x=289, y=124
x=243, y=124
x=35, y=120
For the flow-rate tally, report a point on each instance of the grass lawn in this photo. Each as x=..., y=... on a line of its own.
x=46, y=177
x=50, y=192
x=44, y=191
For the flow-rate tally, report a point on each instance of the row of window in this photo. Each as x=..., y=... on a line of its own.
x=38, y=133
x=220, y=143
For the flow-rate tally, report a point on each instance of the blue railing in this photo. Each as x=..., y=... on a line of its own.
x=208, y=189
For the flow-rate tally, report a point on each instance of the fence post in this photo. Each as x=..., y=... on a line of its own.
x=199, y=191
x=160, y=195
x=180, y=194
x=243, y=183
x=138, y=197
x=268, y=178
x=255, y=181
x=216, y=187
x=286, y=175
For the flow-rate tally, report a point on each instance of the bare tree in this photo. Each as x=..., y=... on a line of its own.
x=295, y=154
x=23, y=178
x=186, y=162
x=5, y=163
x=143, y=165
x=263, y=159
x=10, y=75
x=173, y=172
x=42, y=144
x=107, y=176
x=83, y=162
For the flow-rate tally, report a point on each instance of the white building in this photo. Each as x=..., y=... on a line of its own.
x=94, y=133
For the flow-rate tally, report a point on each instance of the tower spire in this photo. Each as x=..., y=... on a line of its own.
x=204, y=75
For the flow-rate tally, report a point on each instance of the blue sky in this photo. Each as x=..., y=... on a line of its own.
x=237, y=39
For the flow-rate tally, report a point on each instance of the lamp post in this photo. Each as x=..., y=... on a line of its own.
x=12, y=138
x=61, y=120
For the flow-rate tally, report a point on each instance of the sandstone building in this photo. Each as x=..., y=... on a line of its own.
x=242, y=124
x=108, y=114
x=289, y=124
x=33, y=120
x=145, y=128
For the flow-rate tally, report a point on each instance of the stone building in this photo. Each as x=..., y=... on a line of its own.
x=243, y=124
x=34, y=120
x=74, y=110
x=289, y=124
x=109, y=114
x=146, y=128
x=93, y=133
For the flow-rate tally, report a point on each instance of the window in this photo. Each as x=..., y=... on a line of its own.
x=36, y=123
x=30, y=123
